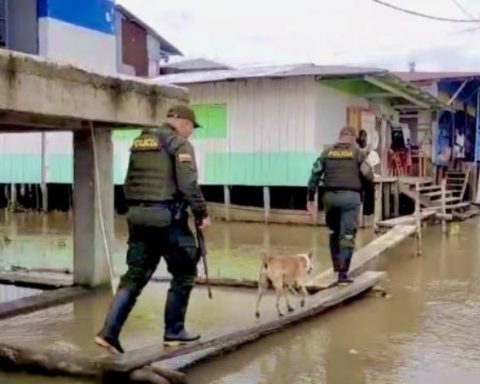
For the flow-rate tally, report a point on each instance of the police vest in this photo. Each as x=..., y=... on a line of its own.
x=342, y=171
x=150, y=175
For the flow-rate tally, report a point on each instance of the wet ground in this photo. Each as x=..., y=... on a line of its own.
x=426, y=332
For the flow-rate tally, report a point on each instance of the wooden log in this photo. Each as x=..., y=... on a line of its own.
x=45, y=361
x=365, y=255
x=232, y=341
x=41, y=301
x=144, y=375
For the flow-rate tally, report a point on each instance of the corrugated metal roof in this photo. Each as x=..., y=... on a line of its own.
x=275, y=71
x=428, y=76
x=196, y=64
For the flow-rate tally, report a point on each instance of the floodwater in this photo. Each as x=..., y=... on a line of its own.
x=426, y=331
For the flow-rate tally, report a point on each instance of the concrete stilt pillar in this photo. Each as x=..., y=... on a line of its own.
x=90, y=259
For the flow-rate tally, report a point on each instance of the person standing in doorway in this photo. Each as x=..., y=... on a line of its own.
x=459, y=149
x=343, y=167
x=161, y=183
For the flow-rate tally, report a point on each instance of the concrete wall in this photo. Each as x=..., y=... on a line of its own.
x=22, y=26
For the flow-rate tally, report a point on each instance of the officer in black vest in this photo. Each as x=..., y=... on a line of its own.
x=161, y=183
x=343, y=167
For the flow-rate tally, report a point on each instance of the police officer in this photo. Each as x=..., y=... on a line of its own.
x=343, y=167
x=161, y=183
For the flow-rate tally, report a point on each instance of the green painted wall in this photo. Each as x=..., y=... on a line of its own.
x=213, y=119
x=281, y=168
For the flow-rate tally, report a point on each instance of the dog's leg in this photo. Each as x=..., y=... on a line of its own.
x=289, y=307
x=304, y=295
x=278, y=291
x=262, y=286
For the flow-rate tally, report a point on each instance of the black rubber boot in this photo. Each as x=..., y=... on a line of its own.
x=120, y=308
x=175, y=312
x=334, y=244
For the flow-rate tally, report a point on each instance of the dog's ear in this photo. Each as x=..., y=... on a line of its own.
x=310, y=255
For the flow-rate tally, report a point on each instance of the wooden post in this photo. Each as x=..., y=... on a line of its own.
x=444, y=205
x=227, y=202
x=396, y=198
x=43, y=185
x=13, y=197
x=90, y=261
x=386, y=200
x=377, y=216
x=418, y=220
x=266, y=203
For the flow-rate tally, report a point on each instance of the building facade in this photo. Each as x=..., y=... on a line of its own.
x=96, y=35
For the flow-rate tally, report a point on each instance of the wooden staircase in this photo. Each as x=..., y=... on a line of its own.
x=431, y=194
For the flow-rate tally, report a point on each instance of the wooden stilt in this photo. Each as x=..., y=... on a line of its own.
x=396, y=198
x=418, y=220
x=444, y=205
x=266, y=203
x=227, y=202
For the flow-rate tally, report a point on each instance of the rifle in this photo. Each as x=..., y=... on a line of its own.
x=202, y=252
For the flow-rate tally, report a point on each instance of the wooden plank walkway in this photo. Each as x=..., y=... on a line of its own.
x=366, y=254
x=317, y=304
x=41, y=301
x=407, y=220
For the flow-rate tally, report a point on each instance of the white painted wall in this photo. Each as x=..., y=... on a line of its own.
x=264, y=115
x=331, y=113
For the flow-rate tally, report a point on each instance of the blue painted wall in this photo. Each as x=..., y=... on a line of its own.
x=98, y=15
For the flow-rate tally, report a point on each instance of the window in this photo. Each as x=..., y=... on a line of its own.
x=213, y=119
x=3, y=23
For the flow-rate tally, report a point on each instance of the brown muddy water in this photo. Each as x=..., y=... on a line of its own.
x=427, y=331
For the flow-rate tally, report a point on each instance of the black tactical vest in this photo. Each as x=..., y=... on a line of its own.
x=342, y=170
x=150, y=174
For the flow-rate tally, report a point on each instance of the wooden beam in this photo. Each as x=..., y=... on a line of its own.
x=318, y=304
x=398, y=92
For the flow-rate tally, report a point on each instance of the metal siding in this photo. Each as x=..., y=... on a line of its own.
x=331, y=113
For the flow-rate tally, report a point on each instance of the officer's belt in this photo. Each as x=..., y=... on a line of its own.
x=148, y=203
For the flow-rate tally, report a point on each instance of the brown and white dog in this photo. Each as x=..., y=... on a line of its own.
x=284, y=273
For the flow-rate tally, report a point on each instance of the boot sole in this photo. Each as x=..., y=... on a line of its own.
x=178, y=343
x=102, y=343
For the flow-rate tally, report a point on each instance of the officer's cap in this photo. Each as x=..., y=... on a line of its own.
x=183, y=112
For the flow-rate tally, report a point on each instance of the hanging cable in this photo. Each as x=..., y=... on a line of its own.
x=463, y=9
x=424, y=15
